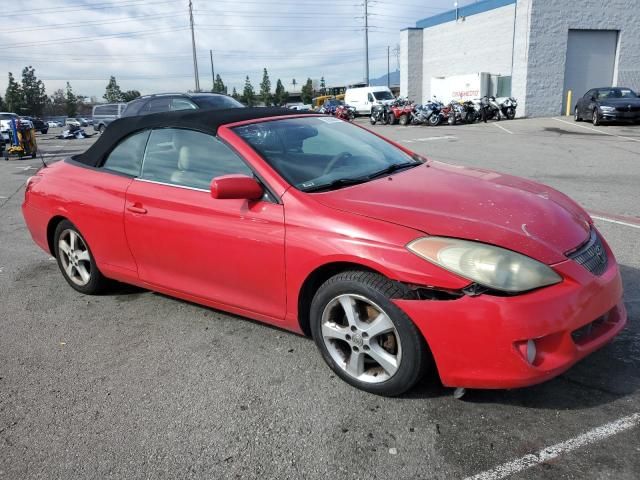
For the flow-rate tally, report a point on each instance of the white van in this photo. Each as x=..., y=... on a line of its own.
x=364, y=98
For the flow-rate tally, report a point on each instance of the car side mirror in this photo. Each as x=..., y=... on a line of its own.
x=238, y=187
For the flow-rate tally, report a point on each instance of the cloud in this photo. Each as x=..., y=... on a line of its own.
x=147, y=44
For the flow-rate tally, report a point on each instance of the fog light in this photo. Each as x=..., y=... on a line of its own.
x=528, y=350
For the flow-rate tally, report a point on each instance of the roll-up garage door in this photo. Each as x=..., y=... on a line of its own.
x=591, y=57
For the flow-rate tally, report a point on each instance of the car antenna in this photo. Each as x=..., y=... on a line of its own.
x=42, y=159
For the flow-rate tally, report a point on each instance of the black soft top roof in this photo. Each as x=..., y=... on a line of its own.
x=206, y=121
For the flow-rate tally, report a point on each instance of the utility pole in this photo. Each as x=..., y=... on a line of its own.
x=213, y=78
x=366, y=42
x=388, y=67
x=193, y=46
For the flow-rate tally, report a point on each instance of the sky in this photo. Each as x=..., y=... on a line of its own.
x=146, y=44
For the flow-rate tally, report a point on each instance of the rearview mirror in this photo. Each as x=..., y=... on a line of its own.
x=238, y=187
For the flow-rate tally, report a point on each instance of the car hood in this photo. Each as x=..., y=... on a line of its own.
x=620, y=102
x=473, y=204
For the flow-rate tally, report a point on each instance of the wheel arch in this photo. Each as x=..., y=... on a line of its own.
x=316, y=278
x=51, y=230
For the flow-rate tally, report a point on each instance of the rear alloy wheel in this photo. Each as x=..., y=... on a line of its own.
x=364, y=337
x=75, y=260
x=576, y=115
x=596, y=117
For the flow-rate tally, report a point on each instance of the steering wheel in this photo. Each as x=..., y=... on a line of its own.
x=337, y=158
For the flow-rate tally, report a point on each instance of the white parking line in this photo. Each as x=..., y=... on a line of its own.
x=430, y=139
x=554, y=451
x=596, y=130
x=502, y=128
x=615, y=221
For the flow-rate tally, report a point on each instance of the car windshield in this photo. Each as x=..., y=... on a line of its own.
x=383, y=95
x=323, y=153
x=217, y=102
x=610, y=93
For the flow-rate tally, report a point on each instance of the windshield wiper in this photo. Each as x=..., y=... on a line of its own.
x=394, y=167
x=335, y=184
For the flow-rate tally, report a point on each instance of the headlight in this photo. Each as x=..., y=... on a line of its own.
x=491, y=266
x=606, y=108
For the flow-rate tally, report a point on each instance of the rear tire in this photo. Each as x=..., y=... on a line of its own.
x=76, y=261
x=576, y=115
x=388, y=360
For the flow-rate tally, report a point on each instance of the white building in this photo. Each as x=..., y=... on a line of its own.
x=534, y=50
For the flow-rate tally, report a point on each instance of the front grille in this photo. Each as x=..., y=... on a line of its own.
x=629, y=108
x=592, y=255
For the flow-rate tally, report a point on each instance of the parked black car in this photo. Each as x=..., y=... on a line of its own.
x=608, y=104
x=38, y=124
x=165, y=102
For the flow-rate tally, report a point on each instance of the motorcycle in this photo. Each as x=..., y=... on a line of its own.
x=488, y=109
x=345, y=112
x=380, y=113
x=507, y=107
x=453, y=113
x=433, y=112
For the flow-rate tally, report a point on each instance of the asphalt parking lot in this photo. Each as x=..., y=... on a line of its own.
x=139, y=385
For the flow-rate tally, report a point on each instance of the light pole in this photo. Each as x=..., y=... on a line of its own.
x=193, y=46
x=366, y=42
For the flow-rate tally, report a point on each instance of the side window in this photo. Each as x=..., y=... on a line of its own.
x=182, y=104
x=158, y=105
x=370, y=97
x=590, y=94
x=127, y=156
x=189, y=159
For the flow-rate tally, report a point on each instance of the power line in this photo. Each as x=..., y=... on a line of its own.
x=86, y=7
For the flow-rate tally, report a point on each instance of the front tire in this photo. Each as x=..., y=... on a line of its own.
x=434, y=120
x=596, y=118
x=76, y=261
x=404, y=120
x=372, y=120
x=364, y=337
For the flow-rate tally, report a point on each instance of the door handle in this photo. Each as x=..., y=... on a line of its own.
x=137, y=208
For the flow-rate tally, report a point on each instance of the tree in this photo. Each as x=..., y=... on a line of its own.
x=323, y=86
x=218, y=85
x=70, y=102
x=280, y=98
x=234, y=94
x=33, y=92
x=307, y=92
x=1, y=104
x=130, y=95
x=113, y=94
x=248, y=95
x=13, y=96
x=265, y=89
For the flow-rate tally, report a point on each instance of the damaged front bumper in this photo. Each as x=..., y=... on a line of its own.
x=477, y=341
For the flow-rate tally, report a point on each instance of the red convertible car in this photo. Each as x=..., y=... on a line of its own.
x=391, y=262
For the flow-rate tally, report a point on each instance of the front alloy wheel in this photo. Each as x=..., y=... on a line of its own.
x=361, y=339
x=596, y=117
x=364, y=337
